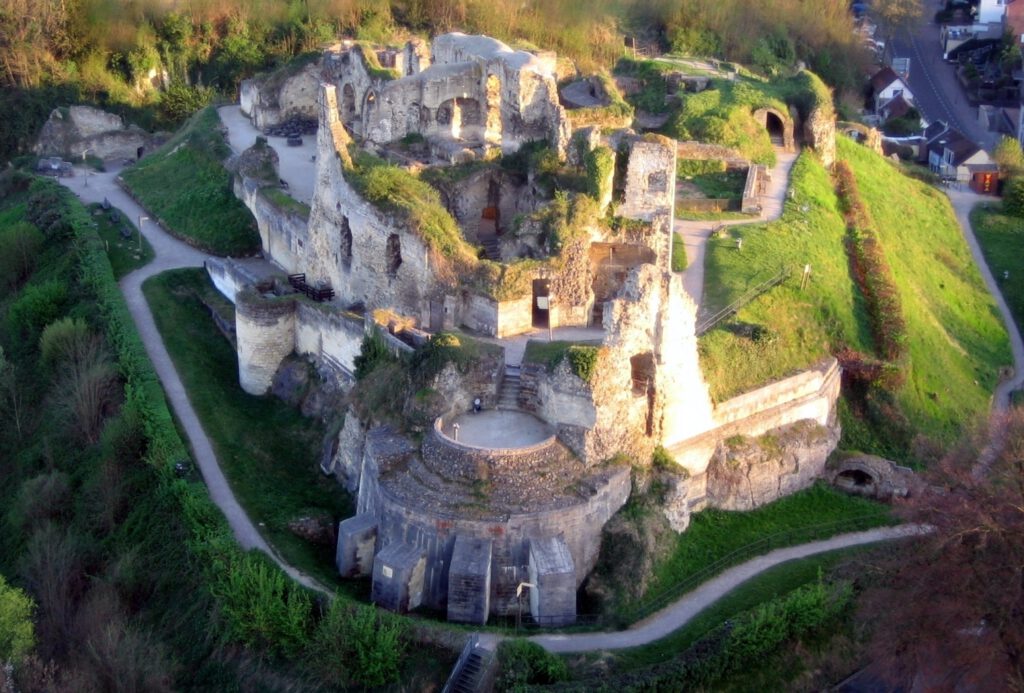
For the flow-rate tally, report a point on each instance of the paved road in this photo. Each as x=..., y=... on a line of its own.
x=933, y=82
x=696, y=233
x=681, y=612
x=171, y=254
x=963, y=202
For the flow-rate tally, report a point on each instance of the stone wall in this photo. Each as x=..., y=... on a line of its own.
x=455, y=460
x=283, y=233
x=266, y=335
x=820, y=134
x=434, y=531
x=272, y=99
x=650, y=179
x=329, y=335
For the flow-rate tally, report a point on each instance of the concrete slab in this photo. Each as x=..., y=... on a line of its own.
x=498, y=428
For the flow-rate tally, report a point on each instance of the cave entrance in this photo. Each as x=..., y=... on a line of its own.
x=541, y=304
x=776, y=128
x=855, y=479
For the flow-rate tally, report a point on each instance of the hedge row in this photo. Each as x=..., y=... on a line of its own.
x=257, y=604
x=871, y=270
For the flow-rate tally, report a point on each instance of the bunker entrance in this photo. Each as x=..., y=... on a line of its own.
x=776, y=129
x=541, y=305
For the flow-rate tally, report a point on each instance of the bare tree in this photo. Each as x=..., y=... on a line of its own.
x=898, y=14
x=951, y=609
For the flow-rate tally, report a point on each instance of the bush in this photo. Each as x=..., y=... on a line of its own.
x=38, y=305
x=64, y=340
x=687, y=168
x=600, y=163
x=1013, y=197
x=523, y=663
x=373, y=353
x=262, y=606
x=583, y=360
x=17, y=634
x=354, y=645
x=19, y=247
x=41, y=498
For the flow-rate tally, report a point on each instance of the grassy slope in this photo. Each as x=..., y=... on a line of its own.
x=1002, y=241
x=773, y=583
x=956, y=339
x=956, y=342
x=268, y=451
x=815, y=513
x=804, y=325
x=187, y=187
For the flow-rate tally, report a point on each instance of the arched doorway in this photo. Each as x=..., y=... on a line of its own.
x=348, y=104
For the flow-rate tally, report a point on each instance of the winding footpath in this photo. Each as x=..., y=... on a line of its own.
x=963, y=202
x=173, y=254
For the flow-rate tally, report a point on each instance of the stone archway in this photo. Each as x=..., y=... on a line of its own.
x=779, y=127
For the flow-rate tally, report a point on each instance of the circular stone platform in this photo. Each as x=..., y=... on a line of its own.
x=498, y=429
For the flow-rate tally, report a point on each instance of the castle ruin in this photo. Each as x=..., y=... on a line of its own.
x=466, y=520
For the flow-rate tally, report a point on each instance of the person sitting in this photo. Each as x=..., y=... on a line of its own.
x=476, y=405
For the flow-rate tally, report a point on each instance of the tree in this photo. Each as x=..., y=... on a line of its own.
x=950, y=610
x=898, y=14
x=17, y=633
x=1009, y=157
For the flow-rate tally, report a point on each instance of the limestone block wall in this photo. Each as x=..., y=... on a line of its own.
x=270, y=100
x=266, y=335
x=810, y=394
x=228, y=276
x=329, y=334
x=455, y=460
x=650, y=179
x=820, y=134
x=283, y=233
x=351, y=244
x=579, y=526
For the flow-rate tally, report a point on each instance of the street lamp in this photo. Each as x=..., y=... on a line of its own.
x=141, y=219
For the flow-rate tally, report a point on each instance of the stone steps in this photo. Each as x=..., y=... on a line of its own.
x=511, y=386
x=491, y=248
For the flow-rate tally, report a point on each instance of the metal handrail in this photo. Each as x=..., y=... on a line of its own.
x=734, y=307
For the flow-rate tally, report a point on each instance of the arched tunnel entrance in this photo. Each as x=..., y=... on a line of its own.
x=855, y=480
x=776, y=129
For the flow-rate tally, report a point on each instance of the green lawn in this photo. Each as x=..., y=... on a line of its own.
x=1002, y=242
x=725, y=538
x=268, y=451
x=956, y=339
x=803, y=326
x=774, y=582
x=186, y=185
x=956, y=342
x=124, y=253
x=727, y=185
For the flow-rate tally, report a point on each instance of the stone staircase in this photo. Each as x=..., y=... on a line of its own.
x=491, y=247
x=511, y=386
x=473, y=673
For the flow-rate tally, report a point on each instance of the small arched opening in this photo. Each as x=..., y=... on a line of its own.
x=348, y=104
x=856, y=480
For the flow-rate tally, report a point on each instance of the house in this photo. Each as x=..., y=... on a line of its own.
x=990, y=11
x=1013, y=21
x=886, y=86
x=956, y=158
x=895, y=108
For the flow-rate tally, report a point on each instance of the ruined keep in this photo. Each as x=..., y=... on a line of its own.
x=486, y=522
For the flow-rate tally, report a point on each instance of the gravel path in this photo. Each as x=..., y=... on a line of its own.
x=682, y=611
x=963, y=201
x=696, y=233
x=172, y=254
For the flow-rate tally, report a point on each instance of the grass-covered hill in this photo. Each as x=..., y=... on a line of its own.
x=952, y=341
x=186, y=185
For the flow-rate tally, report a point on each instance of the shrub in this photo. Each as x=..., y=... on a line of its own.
x=19, y=247
x=523, y=663
x=17, y=634
x=356, y=645
x=263, y=608
x=1013, y=197
x=64, y=340
x=373, y=353
x=583, y=360
x=41, y=498
x=38, y=305
x=687, y=168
